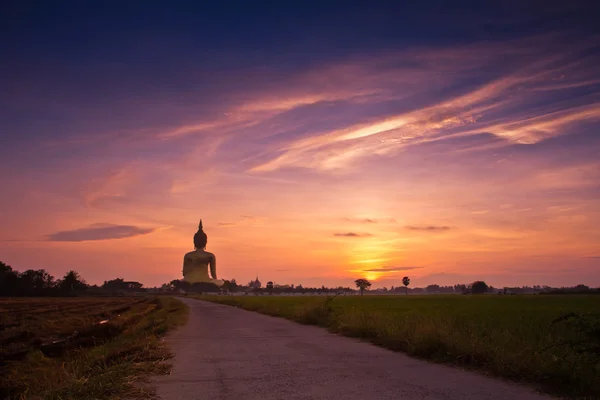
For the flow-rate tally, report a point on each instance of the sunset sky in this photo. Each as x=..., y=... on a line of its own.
x=318, y=143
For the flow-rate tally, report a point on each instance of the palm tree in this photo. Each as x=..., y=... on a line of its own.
x=406, y=282
x=362, y=284
x=72, y=282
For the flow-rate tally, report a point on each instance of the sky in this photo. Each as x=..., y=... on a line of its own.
x=319, y=142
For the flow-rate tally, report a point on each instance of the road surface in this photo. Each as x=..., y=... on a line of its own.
x=225, y=352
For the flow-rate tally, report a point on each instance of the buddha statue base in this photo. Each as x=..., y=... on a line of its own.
x=196, y=265
x=198, y=277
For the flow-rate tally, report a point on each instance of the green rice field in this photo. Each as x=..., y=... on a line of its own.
x=550, y=342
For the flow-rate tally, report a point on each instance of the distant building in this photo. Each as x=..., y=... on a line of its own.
x=255, y=284
x=284, y=287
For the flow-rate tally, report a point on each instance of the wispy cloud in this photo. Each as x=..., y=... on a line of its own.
x=99, y=232
x=488, y=108
x=428, y=228
x=20, y=240
x=371, y=220
x=192, y=128
x=283, y=103
x=296, y=93
x=111, y=187
x=243, y=220
x=352, y=234
x=390, y=269
x=576, y=176
x=530, y=130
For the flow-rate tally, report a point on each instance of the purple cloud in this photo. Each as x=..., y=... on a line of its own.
x=99, y=232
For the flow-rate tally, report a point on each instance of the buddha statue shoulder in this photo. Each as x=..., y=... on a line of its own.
x=196, y=264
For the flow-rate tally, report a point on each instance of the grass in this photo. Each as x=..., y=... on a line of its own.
x=552, y=342
x=84, y=348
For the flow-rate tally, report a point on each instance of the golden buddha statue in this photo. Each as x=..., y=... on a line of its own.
x=196, y=263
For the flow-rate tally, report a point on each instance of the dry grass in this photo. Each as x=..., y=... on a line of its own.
x=515, y=337
x=83, y=348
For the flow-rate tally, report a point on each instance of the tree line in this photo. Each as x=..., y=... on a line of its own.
x=41, y=283
x=477, y=287
x=232, y=286
x=32, y=283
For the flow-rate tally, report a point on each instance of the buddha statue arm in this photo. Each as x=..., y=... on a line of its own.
x=213, y=266
x=186, y=266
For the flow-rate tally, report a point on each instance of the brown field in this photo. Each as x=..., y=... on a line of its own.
x=82, y=347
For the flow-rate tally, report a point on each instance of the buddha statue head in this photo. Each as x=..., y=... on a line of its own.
x=200, y=238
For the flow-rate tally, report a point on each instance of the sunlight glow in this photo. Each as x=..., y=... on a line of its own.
x=371, y=276
x=404, y=163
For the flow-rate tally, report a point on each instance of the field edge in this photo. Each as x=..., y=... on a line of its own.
x=319, y=313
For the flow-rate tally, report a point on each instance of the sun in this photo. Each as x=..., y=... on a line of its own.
x=371, y=276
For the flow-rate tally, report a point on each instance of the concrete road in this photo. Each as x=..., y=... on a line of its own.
x=227, y=353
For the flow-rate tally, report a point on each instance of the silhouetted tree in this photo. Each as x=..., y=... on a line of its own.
x=71, y=283
x=432, y=288
x=270, y=287
x=5, y=269
x=406, y=282
x=35, y=283
x=230, y=286
x=114, y=284
x=362, y=284
x=179, y=284
x=8, y=280
x=132, y=285
x=226, y=286
x=460, y=288
x=479, y=287
x=120, y=285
